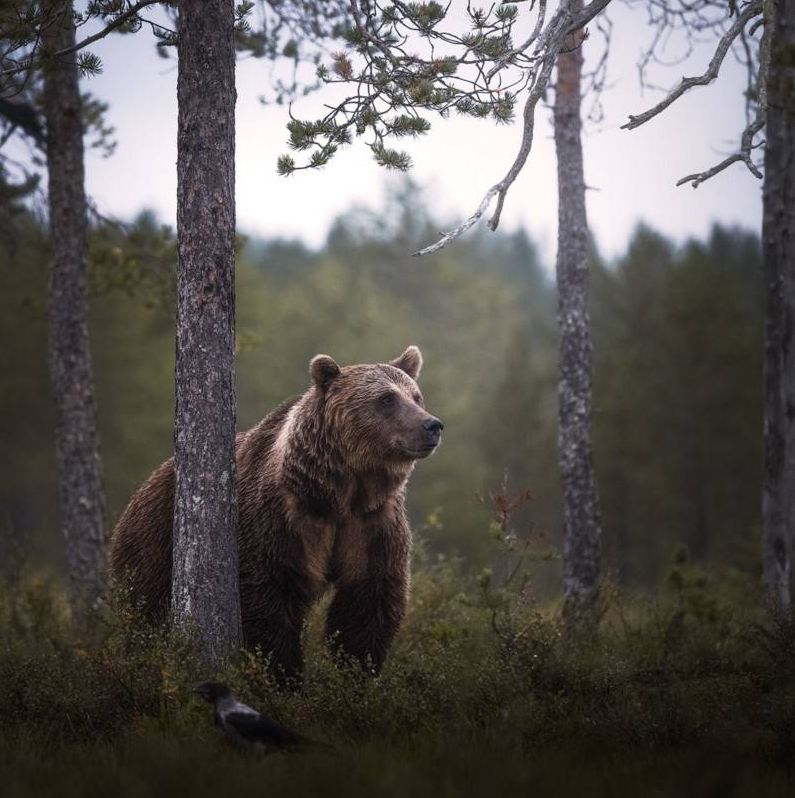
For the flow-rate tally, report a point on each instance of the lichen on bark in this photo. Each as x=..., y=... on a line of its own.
x=581, y=517
x=81, y=497
x=205, y=593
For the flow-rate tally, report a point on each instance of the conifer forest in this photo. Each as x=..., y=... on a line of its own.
x=384, y=408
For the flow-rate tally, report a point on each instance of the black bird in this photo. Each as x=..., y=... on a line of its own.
x=246, y=727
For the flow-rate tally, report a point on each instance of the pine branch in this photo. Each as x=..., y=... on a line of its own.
x=27, y=63
x=553, y=41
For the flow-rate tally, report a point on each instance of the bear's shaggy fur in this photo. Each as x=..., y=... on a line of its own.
x=321, y=483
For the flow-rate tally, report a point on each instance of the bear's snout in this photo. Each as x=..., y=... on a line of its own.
x=430, y=435
x=433, y=426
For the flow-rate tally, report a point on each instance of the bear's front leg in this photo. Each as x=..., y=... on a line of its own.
x=368, y=606
x=364, y=617
x=275, y=622
x=281, y=642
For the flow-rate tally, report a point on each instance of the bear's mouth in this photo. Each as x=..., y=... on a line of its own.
x=420, y=452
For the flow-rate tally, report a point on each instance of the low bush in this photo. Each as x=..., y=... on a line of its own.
x=691, y=691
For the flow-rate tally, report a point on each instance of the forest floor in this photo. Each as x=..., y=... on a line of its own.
x=691, y=693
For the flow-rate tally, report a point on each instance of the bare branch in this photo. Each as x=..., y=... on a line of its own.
x=527, y=133
x=587, y=14
x=744, y=155
x=751, y=10
x=747, y=144
x=464, y=226
x=594, y=81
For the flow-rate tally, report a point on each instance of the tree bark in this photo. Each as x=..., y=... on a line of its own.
x=205, y=594
x=581, y=518
x=82, y=503
x=778, y=234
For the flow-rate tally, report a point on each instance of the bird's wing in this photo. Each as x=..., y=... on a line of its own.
x=241, y=708
x=256, y=728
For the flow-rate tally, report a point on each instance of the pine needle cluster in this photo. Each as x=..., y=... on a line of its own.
x=404, y=62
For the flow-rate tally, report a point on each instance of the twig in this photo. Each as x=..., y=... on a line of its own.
x=542, y=12
x=747, y=139
x=752, y=10
x=374, y=40
x=27, y=63
x=552, y=41
x=744, y=155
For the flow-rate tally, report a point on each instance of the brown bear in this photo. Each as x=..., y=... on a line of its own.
x=321, y=484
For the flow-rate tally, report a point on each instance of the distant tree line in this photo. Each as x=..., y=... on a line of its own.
x=678, y=363
x=43, y=41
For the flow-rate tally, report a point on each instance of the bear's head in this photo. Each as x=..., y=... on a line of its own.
x=376, y=412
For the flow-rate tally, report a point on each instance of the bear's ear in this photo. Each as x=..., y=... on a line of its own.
x=323, y=370
x=410, y=362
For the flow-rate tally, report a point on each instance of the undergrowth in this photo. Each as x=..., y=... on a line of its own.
x=688, y=692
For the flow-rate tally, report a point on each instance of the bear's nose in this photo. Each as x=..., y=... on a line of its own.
x=433, y=425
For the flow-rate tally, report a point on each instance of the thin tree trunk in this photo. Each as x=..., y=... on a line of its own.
x=581, y=521
x=778, y=233
x=82, y=503
x=205, y=592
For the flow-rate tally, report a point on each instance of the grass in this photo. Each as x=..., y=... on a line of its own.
x=691, y=692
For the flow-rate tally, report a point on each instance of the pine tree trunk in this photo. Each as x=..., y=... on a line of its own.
x=205, y=591
x=778, y=234
x=82, y=503
x=581, y=522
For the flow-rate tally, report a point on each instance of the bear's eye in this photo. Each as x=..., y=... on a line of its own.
x=417, y=398
x=387, y=399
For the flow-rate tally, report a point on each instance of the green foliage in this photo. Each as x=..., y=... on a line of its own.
x=285, y=165
x=12, y=208
x=425, y=15
x=391, y=159
x=137, y=260
x=406, y=125
x=481, y=696
x=506, y=11
x=390, y=80
x=89, y=64
x=503, y=109
x=305, y=136
x=489, y=47
x=677, y=378
x=96, y=125
x=678, y=342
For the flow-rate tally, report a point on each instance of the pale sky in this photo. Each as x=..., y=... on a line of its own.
x=633, y=173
